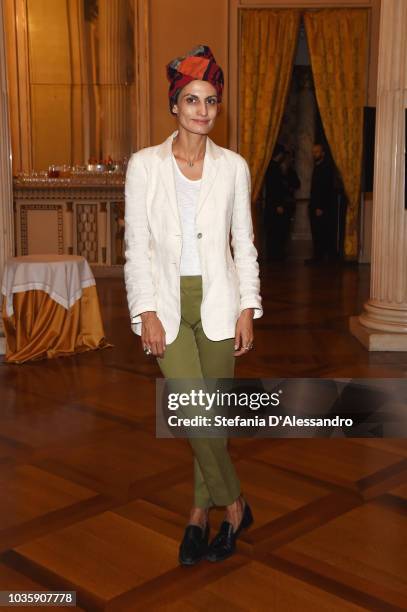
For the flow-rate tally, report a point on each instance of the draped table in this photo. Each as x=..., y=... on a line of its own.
x=50, y=307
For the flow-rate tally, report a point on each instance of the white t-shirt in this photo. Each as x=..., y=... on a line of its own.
x=187, y=196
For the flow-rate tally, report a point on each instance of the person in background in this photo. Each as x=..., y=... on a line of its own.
x=275, y=217
x=322, y=207
x=291, y=184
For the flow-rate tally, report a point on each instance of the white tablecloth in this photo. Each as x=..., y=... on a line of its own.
x=61, y=276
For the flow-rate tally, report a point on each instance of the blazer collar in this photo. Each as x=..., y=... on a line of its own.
x=210, y=169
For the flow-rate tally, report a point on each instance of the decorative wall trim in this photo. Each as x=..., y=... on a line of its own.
x=24, y=208
x=90, y=221
x=68, y=193
x=86, y=242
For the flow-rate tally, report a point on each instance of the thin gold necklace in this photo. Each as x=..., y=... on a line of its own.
x=189, y=162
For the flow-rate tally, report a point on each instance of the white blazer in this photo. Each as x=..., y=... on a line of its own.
x=153, y=240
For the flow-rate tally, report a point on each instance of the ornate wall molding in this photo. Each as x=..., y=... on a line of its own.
x=83, y=192
x=25, y=209
x=85, y=220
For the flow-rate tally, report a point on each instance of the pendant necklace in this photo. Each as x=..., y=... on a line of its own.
x=189, y=162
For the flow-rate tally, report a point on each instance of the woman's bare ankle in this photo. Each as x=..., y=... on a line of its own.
x=237, y=504
x=198, y=516
x=234, y=512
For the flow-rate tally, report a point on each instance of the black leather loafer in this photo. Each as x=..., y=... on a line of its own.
x=223, y=544
x=194, y=545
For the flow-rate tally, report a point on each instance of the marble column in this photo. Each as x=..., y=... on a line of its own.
x=6, y=192
x=113, y=21
x=382, y=326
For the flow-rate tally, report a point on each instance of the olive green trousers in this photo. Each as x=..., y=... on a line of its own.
x=193, y=355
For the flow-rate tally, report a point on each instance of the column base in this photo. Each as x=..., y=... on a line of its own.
x=375, y=340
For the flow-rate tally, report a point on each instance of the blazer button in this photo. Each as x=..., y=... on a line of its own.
x=199, y=235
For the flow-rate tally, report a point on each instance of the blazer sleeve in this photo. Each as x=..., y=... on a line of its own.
x=244, y=251
x=137, y=268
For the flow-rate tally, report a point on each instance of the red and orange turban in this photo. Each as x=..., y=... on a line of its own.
x=200, y=64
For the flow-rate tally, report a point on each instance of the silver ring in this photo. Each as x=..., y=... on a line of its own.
x=248, y=347
x=147, y=350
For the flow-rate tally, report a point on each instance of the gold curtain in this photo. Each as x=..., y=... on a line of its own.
x=268, y=43
x=337, y=41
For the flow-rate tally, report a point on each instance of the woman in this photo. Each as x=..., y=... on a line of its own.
x=191, y=302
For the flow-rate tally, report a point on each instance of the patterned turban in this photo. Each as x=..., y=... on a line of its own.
x=200, y=64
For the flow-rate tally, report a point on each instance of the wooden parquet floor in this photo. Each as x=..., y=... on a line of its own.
x=91, y=501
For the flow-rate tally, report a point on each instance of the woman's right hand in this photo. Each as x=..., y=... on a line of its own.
x=152, y=333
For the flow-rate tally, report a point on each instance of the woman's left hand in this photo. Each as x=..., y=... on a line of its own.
x=244, y=332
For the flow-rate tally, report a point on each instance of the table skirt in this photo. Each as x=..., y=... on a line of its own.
x=40, y=328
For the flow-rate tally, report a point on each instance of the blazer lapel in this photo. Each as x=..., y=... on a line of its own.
x=209, y=172
x=167, y=175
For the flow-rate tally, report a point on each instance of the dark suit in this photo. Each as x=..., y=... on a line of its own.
x=323, y=197
x=277, y=223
